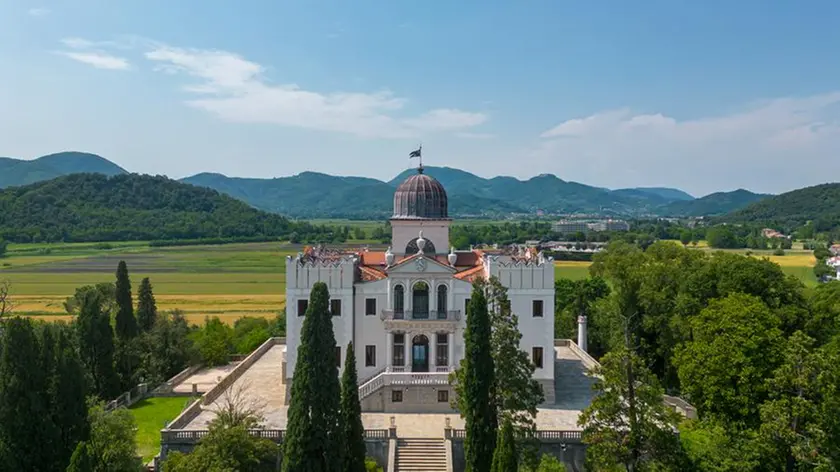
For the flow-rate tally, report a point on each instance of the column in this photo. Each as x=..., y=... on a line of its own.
x=451, y=346
x=389, y=346
x=432, y=351
x=407, y=351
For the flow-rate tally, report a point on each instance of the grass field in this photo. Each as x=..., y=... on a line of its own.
x=229, y=281
x=151, y=415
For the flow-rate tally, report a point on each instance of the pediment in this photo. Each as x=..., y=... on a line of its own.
x=418, y=264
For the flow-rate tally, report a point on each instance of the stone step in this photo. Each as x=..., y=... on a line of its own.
x=420, y=455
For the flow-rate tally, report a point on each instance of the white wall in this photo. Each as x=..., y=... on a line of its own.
x=527, y=282
x=403, y=231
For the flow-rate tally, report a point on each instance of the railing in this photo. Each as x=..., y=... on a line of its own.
x=394, y=377
x=276, y=435
x=541, y=435
x=448, y=315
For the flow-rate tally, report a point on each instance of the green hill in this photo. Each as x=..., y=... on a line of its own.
x=94, y=207
x=14, y=172
x=718, y=203
x=795, y=208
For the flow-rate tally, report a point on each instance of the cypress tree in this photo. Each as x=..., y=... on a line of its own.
x=480, y=415
x=146, y=307
x=126, y=325
x=313, y=440
x=96, y=346
x=351, y=413
x=68, y=392
x=25, y=428
x=504, y=458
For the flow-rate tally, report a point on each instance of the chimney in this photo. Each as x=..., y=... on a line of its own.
x=582, y=333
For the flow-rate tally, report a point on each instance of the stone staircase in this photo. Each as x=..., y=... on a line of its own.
x=420, y=455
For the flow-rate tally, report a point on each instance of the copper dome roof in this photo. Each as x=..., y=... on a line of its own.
x=420, y=197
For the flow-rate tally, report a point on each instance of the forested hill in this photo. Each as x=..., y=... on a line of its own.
x=718, y=203
x=15, y=172
x=820, y=204
x=94, y=207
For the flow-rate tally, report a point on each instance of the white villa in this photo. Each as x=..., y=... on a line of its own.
x=405, y=309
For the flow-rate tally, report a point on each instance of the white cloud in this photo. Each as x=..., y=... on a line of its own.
x=236, y=89
x=774, y=145
x=98, y=60
x=39, y=11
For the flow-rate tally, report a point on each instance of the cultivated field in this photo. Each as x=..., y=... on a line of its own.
x=229, y=281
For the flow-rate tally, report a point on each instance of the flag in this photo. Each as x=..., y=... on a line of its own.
x=416, y=153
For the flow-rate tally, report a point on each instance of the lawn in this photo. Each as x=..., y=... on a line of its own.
x=574, y=270
x=151, y=415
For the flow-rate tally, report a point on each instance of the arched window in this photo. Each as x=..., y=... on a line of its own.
x=420, y=300
x=441, y=302
x=411, y=248
x=399, y=301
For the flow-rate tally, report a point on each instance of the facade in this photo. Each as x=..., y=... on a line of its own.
x=584, y=226
x=404, y=309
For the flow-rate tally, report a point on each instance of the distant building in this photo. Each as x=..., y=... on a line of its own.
x=587, y=226
x=835, y=249
x=772, y=233
x=834, y=262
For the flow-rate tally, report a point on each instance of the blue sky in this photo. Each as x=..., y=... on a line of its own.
x=704, y=96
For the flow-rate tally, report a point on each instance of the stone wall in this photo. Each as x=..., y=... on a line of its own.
x=415, y=399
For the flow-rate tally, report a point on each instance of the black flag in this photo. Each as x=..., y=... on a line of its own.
x=416, y=153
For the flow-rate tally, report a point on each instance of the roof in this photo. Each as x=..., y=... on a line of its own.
x=372, y=264
x=420, y=197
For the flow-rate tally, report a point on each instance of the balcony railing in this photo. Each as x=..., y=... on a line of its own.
x=449, y=315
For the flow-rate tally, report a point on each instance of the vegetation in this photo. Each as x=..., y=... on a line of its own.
x=111, y=445
x=146, y=306
x=93, y=207
x=475, y=385
x=504, y=457
x=718, y=203
x=314, y=440
x=149, y=414
x=14, y=172
x=351, y=416
x=788, y=211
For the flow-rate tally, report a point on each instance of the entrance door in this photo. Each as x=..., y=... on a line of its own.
x=420, y=354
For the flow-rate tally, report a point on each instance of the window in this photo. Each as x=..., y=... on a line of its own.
x=443, y=396
x=441, y=302
x=537, y=357
x=335, y=307
x=537, y=308
x=396, y=396
x=442, y=352
x=370, y=306
x=302, y=306
x=399, y=300
x=338, y=356
x=399, y=349
x=370, y=356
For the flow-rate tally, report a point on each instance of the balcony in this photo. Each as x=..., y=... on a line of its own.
x=449, y=315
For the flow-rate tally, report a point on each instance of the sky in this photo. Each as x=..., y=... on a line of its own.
x=702, y=96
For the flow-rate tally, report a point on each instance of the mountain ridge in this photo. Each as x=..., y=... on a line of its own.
x=312, y=194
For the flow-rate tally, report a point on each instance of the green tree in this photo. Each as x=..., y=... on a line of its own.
x=734, y=349
x=628, y=424
x=713, y=446
x=249, y=333
x=6, y=304
x=111, y=445
x=226, y=449
x=146, y=307
x=3, y=246
x=792, y=420
x=574, y=298
x=351, y=412
x=549, y=463
x=685, y=236
x=96, y=346
x=25, y=426
x=167, y=348
x=214, y=341
x=504, y=457
x=126, y=324
x=107, y=298
x=475, y=390
x=313, y=441
x=67, y=392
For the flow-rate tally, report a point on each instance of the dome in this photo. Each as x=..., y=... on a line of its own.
x=420, y=197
